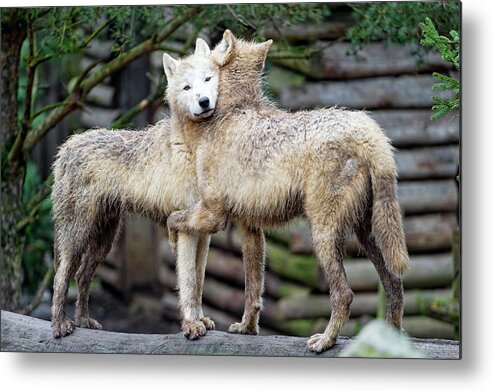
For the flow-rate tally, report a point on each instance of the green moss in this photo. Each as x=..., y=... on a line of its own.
x=298, y=327
x=290, y=290
x=302, y=268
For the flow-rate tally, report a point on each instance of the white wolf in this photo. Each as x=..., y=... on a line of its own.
x=259, y=166
x=100, y=175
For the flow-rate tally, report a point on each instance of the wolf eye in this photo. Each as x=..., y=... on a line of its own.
x=208, y=78
x=186, y=88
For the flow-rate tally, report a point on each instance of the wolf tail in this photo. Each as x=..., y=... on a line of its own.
x=386, y=222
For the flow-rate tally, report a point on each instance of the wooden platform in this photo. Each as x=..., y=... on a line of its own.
x=21, y=333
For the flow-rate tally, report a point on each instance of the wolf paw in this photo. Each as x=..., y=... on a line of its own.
x=176, y=219
x=88, y=323
x=320, y=342
x=208, y=323
x=242, y=328
x=63, y=328
x=193, y=329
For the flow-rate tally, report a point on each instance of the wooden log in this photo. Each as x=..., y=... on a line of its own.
x=415, y=326
x=338, y=61
x=134, y=260
x=300, y=268
x=25, y=334
x=229, y=239
x=428, y=163
x=424, y=233
x=426, y=272
x=229, y=267
x=414, y=127
x=375, y=93
x=441, y=308
x=278, y=78
x=426, y=327
x=429, y=232
x=428, y=196
x=309, y=32
x=316, y=306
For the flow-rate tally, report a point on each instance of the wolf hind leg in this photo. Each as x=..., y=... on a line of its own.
x=66, y=261
x=329, y=245
x=332, y=212
x=253, y=263
x=96, y=251
x=392, y=284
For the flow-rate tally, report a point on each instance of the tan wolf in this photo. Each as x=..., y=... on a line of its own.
x=261, y=166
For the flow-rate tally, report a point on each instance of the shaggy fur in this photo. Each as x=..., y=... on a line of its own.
x=261, y=166
x=98, y=177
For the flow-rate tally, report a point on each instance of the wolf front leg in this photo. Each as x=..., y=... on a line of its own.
x=201, y=261
x=202, y=218
x=189, y=274
x=253, y=262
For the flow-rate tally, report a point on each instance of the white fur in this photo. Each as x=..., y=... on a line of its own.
x=198, y=79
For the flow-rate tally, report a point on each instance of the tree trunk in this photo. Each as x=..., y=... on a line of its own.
x=12, y=243
x=13, y=170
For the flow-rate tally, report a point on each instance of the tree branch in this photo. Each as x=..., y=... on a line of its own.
x=34, y=204
x=16, y=149
x=239, y=18
x=47, y=108
x=72, y=100
x=124, y=119
x=143, y=48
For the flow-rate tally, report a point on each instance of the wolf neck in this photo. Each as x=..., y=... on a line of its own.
x=188, y=129
x=239, y=88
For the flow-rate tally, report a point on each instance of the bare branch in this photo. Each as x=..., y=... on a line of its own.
x=239, y=18
x=95, y=33
x=47, y=108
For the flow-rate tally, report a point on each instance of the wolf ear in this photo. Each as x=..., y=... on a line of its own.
x=201, y=48
x=262, y=50
x=265, y=46
x=170, y=65
x=224, y=49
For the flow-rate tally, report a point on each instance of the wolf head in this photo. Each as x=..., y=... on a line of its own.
x=241, y=64
x=193, y=83
x=229, y=76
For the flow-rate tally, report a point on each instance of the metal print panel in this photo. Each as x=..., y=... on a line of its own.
x=242, y=179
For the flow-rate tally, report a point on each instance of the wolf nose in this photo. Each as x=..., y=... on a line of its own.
x=204, y=102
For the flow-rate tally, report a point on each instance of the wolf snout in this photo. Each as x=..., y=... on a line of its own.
x=204, y=102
